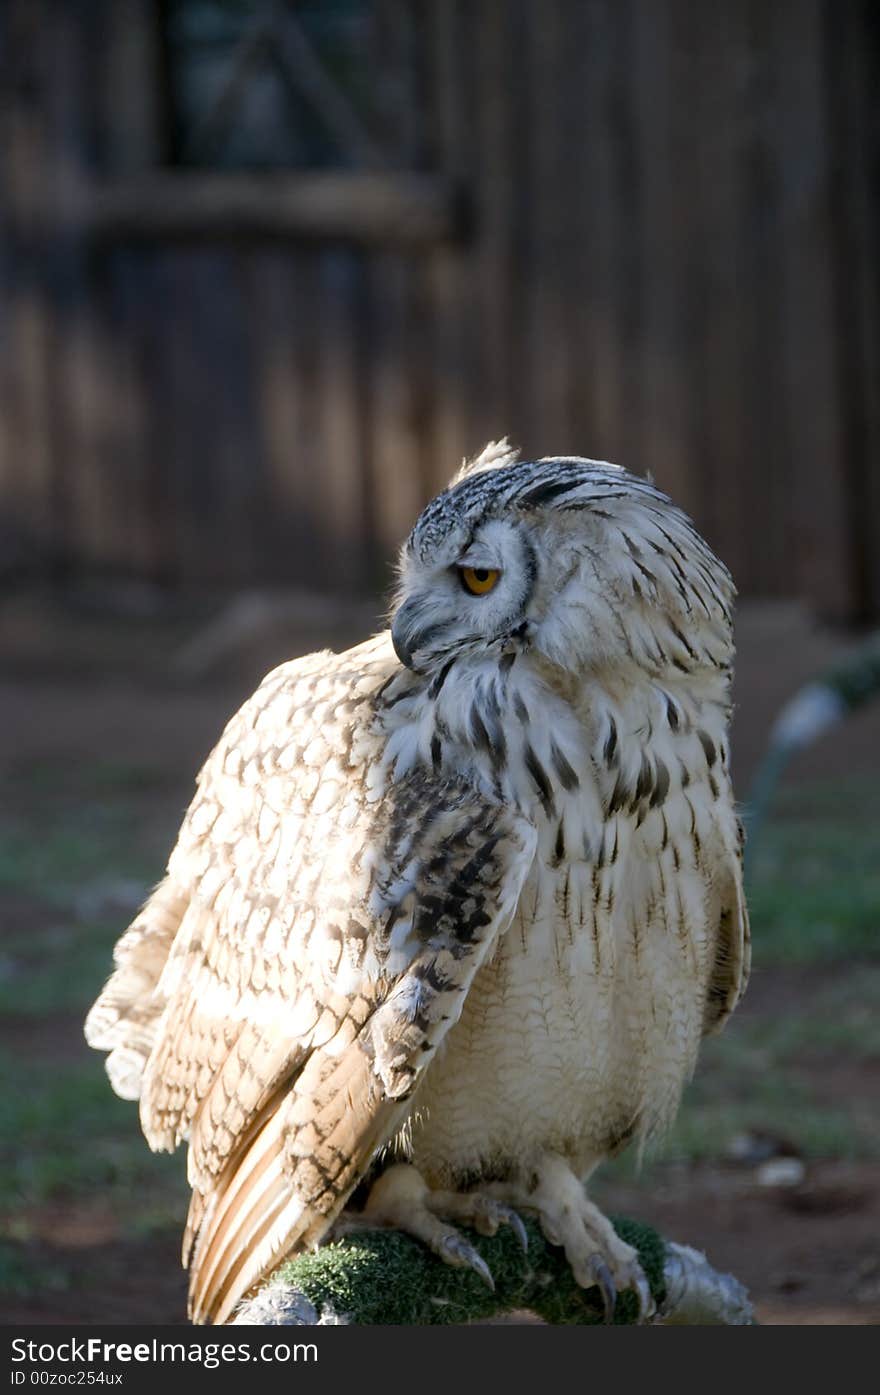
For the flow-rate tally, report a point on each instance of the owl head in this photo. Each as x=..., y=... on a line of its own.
x=574, y=560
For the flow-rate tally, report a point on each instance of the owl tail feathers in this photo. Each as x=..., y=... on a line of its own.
x=243, y=1229
x=288, y=1183
x=125, y=1018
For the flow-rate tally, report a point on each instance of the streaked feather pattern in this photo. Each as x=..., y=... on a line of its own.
x=467, y=909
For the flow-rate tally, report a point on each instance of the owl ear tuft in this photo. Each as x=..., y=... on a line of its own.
x=493, y=456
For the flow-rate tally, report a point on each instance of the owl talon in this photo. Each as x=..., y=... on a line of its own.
x=597, y=1255
x=647, y=1306
x=600, y=1274
x=479, y=1210
x=514, y=1220
x=401, y=1198
x=457, y=1251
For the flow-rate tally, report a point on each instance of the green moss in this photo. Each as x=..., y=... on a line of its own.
x=385, y=1278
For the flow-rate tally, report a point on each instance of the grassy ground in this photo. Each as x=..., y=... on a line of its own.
x=75, y=862
x=89, y=1219
x=811, y=1016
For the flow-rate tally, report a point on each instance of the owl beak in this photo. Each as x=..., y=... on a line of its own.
x=409, y=633
x=402, y=633
x=401, y=650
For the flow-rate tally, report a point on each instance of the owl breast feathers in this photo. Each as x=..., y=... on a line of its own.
x=467, y=895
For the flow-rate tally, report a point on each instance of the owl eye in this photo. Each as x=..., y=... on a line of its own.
x=479, y=580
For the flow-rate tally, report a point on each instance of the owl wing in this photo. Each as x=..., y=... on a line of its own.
x=286, y=989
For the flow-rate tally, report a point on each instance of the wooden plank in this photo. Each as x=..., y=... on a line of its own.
x=720, y=115
x=95, y=498
x=111, y=99
x=397, y=97
x=665, y=156
x=129, y=70
x=309, y=447
x=127, y=299
x=26, y=461
x=80, y=405
x=186, y=424
x=26, y=439
x=397, y=324
x=397, y=486
x=399, y=208
x=309, y=77
x=211, y=494
x=134, y=136
x=854, y=78
x=553, y=170
x=470, y=286
x=603, y=301
x=214, y=120
x=286, y=306
x=284, y=408
x=498, y=387
x=813, y=486
x=612, y=270
x=447, y=267
x=259, y=393
x=764, y=429
x=474, y=339
x=581, y=111
x=225, y=462
x=340, y=484
x=142, y=290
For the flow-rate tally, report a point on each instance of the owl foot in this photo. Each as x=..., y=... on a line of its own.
x=595, y=1252
x=402, y=1199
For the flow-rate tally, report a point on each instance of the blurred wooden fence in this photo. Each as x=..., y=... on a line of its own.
x=642, y=230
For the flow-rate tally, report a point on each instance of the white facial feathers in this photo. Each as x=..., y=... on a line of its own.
x=595, y=565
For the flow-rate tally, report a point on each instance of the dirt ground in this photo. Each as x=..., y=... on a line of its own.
x=92, y=690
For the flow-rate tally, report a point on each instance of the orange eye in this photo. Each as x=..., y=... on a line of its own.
x=479, y=580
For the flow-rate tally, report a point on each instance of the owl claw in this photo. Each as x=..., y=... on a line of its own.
x=599, y=1275
x=456, y=1251
x=598, y=1257
x=514, y=1220
x=401, y=1198
x=647, y=1306
x=481, y=1211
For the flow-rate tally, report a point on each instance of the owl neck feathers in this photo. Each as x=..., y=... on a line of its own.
x=494, y=721
x=568, y=750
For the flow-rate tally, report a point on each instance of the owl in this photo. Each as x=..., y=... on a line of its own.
x=451, y=911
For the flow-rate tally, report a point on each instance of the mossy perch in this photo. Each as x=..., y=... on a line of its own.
x=383, y=1277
